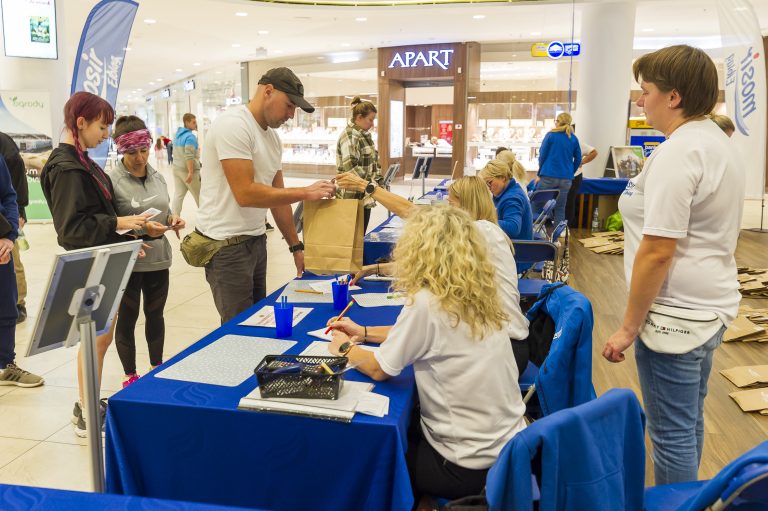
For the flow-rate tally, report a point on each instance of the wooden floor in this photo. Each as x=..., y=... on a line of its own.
x=729, y=432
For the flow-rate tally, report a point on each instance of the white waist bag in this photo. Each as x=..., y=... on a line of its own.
x=677, y=330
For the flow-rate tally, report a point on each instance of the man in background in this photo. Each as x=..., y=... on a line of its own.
x=10, y=152
x=186, y=164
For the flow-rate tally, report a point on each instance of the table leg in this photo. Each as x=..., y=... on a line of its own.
x=589, y=215
x=581, y=211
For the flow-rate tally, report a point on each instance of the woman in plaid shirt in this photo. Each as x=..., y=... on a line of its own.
x=356, y=153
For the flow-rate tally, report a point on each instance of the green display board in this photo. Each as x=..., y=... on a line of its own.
x=38, y=207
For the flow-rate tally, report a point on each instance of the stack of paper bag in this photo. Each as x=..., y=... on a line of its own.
x=755, y=400
x=605, y=242
x=742, y=329
x=753, y=281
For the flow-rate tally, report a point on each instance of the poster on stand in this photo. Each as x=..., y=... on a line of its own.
x=25, y=116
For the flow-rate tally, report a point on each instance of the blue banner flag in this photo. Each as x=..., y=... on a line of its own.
x=101, y=55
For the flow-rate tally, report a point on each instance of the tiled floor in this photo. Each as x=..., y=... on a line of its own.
x=37, y=444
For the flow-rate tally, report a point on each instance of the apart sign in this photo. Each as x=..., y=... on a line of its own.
x=430, y=58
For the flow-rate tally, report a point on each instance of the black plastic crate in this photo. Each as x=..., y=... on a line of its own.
x=310, y=382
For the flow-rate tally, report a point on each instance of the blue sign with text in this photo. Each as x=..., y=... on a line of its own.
x=556, y=49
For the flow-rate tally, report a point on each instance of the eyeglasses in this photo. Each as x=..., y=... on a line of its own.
x=488, y=182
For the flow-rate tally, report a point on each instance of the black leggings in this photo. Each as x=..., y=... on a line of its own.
x=154, y=286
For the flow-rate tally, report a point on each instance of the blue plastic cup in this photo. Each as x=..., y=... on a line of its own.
x=284, y=319
x=340, y=295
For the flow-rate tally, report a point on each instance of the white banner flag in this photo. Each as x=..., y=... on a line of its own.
x=745, y=95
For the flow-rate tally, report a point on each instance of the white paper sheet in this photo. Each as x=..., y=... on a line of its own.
x=153, y=212
x=324, y=286
x=266, y=316
x=228, y=361
x=320, y=349
x=378, y=299
x=320, y=334
x=374, y=404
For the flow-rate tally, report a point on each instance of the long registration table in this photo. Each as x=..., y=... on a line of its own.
x=29, y=498
x=598, y=186
x=188, y=441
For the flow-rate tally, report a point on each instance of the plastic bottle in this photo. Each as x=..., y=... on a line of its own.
x=595, y=222
x=439, y=196
x=22, y=241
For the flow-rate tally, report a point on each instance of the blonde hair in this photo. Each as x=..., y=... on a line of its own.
x=496, y=168
x=474, y=198
x=362, y=108
x=723, y=122
x=518, y=171
x=563, y=123
x=440, y=250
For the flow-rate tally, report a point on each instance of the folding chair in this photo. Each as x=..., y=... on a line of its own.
x=741, y=485
x=539, y=225
x=590, y=456
x=538, y=197
x=565, y=377
x=527, y=254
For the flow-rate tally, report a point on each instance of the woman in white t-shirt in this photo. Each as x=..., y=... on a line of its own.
x=452, y=330
x=681, y=218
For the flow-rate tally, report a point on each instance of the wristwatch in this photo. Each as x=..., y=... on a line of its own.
x=298, y=246
x=370, y=188
x=345, y=348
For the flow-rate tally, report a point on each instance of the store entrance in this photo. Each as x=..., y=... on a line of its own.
x=429, y=127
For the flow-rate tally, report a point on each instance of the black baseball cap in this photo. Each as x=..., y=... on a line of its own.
x=284, y=80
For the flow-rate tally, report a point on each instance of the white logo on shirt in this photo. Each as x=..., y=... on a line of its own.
x=136, y=204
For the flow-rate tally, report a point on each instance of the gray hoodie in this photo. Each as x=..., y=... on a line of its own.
x=133, y=196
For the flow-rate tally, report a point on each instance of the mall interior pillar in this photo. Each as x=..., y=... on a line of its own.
x=605, y=78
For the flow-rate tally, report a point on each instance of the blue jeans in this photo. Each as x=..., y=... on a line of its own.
x=674, y=388
x=553, y=183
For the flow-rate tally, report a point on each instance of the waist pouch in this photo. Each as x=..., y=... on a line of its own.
x=198, y=249
x=677, y=330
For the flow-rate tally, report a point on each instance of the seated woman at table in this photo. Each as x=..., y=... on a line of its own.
x=470, y=194
x=518, y=171
x=452, y=330
x=512, y=205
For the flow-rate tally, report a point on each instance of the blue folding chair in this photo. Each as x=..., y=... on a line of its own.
x=528, y=253
x=589, y=457
x=539, y=225
x=538, y=197
x=741, y=486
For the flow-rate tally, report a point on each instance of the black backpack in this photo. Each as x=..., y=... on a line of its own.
x=541, y=330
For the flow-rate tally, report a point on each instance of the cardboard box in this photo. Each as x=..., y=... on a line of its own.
x=744, y=376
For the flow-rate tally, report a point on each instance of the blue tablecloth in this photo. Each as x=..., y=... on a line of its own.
x=603, y=186
x=186, y=441
x=28, y=498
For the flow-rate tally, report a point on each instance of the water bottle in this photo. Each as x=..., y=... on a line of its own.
x=22, y=241
x=595, y=222
x=439, y=196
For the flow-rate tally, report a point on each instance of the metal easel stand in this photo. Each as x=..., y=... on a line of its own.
x=84, y=302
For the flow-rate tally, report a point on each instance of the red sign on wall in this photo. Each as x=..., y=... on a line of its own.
x=446, y=131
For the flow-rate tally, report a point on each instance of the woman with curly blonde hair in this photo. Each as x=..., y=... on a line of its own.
x=453, y=331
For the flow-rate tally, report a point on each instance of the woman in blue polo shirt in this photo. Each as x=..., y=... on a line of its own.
x=559, y=158
x=512, y=205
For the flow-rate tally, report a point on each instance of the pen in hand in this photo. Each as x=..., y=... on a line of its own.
x=341, y=315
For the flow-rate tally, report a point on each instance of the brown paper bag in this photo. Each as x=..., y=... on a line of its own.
x=744, y=376
x=333, y=236
x=751, y=400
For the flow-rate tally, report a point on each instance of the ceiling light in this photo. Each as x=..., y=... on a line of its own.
x=241, y=14
x=741, y=8
x=277, y=51
x=178, y=70
x=478, y=17
x=321, y=58
x=535, y=33
x=139, y=90
x=346, y=45
x=361, y=19
x=218, y=72
x=150, y=21
x=236, y=45
x=195, y=64
x=127, y=48
x=263, y=32
x=514, y=56
x=158, y=79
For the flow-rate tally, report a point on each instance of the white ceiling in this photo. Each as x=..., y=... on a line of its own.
x=194, y=35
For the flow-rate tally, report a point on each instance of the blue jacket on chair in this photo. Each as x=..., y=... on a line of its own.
x=592, y=457
x=565, y=377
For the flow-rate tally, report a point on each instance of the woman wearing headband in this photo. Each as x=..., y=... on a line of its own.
x=81, y=199
x=139, y=187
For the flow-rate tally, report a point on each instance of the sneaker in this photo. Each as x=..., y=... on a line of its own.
x=14, y=375
x=269, y=227
x=78, y=419
x=22, y=310
x=130, y=378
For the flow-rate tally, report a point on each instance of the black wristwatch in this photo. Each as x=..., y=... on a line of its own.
x=370, y=188
x=298, y=246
